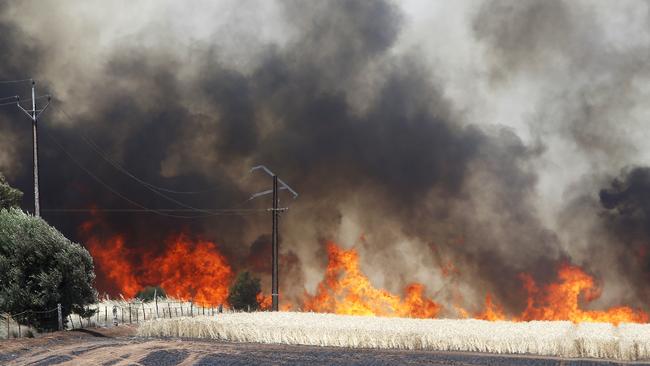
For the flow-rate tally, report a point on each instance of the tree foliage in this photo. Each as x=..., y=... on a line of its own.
x=243, y=293
x=9, y=196
x=39, y=267
x=149, y=293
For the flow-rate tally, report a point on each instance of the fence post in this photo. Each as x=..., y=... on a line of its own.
x=58, y=310
x=170, y=310
x=144, y=312
x=115, y=315
x=130, y=322
x=105, y=315
x=19, y=332
x=8, y=317
x=157, y=315
x=191, y=308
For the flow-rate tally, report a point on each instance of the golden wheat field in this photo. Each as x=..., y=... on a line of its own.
x=543, y=338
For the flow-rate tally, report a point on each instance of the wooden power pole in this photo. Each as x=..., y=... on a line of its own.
x=33, y=115
x=274, y=244
x=275, y=214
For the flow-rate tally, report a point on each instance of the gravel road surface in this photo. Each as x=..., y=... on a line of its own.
x=120, y=347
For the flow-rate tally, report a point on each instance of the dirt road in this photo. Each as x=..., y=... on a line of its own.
x=119, y=346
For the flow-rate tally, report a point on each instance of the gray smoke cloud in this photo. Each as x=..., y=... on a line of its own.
x=444, y=141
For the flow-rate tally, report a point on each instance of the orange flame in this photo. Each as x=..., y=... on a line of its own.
x=346, y=290
x=491, y=311
x=560, y=301
x=265, y=301
x=109, y=259
x=193, y=270
x=197, y=270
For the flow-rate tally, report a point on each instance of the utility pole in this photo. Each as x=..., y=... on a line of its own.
x=275, y=214
x=33, y=115
x=274, y=244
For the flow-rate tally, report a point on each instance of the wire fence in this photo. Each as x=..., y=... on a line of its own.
x=28, y=323
x=109, y=314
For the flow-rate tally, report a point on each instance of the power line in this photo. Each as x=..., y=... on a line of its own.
x=118, y=167
x=17, y=99
x=8, y=103
x=145, y=184
x=233, y=212
x=122, y=169
x=107, y=186
x=14, y=81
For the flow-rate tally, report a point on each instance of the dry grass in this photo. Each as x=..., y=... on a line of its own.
x=544, y=338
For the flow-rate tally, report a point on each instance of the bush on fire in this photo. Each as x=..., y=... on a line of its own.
x=39, y=267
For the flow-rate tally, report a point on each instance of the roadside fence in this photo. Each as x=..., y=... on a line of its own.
x=114, y=313
x=26, y=323
x=108, y=313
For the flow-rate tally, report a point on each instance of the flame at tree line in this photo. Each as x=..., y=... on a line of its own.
x=187, y=269
x=195, y=269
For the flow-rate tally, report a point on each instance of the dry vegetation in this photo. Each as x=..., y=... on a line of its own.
x=544, y=338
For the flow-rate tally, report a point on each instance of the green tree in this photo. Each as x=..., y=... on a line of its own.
x=149, y=293
x=9, y=196
x=39, y=267
x=243, y=293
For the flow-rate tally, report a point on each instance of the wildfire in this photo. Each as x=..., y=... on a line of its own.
x=187, y=269
x=560, y=301
x=192, y=270
x=491, y=311
x=195, y=269
x=346, y=290
x=110, y=259
x=265, y=301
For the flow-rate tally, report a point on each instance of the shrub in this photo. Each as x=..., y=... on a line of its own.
x=149, y=293
x=243, y=293
x=9, y=197
x=39, y=268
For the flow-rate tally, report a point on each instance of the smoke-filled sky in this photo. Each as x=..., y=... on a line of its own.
x=500, y=136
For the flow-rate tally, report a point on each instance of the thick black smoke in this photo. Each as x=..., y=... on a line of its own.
x=368, y=138
x=626, y=220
